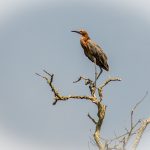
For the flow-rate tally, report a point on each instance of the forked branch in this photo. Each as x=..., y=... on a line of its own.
x=136, y=128
x=58, y=96
x=101, y=108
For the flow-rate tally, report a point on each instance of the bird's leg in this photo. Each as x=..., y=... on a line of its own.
x=101, y=70
x=95, y=71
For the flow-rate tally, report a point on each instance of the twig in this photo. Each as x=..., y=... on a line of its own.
x=124, y=138
x=100, y=89
x=101, y=107
x=93, y=120
x=59, y=97
x=132, y=126
x=86, y=80
x=134, y=108
x=141, y=130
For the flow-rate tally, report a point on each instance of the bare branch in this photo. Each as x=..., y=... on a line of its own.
x=64, y=98
x=140, y=132
x=101, y=115
x=109, y=80
x=100, y=89
x=86, y=80
x=133, y=126
x=93, y=120
x=101, y=107
x=58, y=96
x=124, y=138
x=134, y=108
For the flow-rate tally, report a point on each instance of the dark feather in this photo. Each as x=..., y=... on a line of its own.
x=98, y=54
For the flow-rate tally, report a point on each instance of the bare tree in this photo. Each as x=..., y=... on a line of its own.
x=120, y=142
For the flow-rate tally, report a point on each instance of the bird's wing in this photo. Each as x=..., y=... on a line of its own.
x=96, y=50
x=98, y=53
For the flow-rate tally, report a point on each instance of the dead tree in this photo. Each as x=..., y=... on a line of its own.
x=119, y=142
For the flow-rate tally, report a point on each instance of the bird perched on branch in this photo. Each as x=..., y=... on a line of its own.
x=93, y=51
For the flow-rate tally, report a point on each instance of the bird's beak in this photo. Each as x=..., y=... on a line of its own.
x=76, y=32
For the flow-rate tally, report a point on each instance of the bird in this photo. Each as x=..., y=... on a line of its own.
x=93, y=51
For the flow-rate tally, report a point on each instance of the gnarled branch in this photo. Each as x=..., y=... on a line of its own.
x=98, y=101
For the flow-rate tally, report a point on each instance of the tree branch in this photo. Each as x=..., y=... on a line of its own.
x=121, y=141
x=93, y=120
x=134, y=108
x=133, y=126
x=140, y=132
x=59, y=97
x=96, y=135
x=100, y=89
x=92, y=86
x=87, y=81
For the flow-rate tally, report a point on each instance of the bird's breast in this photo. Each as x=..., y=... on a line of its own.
x=86, y=50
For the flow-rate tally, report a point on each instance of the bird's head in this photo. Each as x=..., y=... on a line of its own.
x=81, y=32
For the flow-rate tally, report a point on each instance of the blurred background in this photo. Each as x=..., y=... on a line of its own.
x=35, y=35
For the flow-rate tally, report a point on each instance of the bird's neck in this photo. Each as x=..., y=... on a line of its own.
x=83, y=41
x=85, y=38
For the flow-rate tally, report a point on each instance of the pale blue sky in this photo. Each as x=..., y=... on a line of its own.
x=39, y=37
